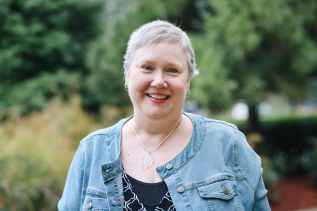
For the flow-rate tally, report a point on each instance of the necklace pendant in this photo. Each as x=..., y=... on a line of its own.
x=148, y=161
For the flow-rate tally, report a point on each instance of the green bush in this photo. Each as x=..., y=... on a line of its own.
x=288, y=142
x=36, y=152
x=39, y=38
x=34, y=95
x=270, y=176
x=310, y=161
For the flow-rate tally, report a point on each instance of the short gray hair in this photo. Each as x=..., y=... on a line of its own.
x=159, y=31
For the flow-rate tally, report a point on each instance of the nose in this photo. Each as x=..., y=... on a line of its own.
x=158, y=80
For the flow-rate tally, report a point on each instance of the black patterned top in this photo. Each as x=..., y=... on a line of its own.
x=140, y=196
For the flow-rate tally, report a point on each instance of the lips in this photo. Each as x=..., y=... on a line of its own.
x=158, y=96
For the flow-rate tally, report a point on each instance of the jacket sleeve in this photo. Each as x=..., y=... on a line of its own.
x=72, y=196
x=260, y=200
x=249, y=164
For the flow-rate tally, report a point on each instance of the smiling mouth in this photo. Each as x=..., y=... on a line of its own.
x=158, y=96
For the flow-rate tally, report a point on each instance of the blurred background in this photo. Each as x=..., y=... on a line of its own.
x=61, y=77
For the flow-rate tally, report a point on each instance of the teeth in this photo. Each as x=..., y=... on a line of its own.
x=158, y=97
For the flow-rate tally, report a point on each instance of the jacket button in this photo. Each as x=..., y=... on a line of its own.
x=226, y=191
x=169, y=166
x=114, y=202
x=180, y=189
x=88, y=205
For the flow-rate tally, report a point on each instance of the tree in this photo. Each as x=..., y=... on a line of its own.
x=42, y=39
x=252, y=48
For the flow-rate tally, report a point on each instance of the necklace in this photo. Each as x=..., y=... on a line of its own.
x=148, y=159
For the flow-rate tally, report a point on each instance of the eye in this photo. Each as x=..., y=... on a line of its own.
x=172, y=70
x=147, y=67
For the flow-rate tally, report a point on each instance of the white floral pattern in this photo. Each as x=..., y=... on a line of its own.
x=132, y=203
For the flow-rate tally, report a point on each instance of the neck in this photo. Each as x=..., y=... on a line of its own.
x=155, y=126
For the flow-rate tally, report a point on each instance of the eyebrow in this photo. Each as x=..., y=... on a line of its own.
x=171, y=64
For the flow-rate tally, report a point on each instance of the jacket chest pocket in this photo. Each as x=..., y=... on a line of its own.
x=220, y=195
x=95, y=200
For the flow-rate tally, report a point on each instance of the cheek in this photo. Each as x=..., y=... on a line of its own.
x=137, y=85
x=182, y=87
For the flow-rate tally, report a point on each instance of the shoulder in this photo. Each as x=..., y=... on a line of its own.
x=217, y=134
x=104, y=135
x=100, y=135
x=211, y=128
x=236, y=151
x=207, y=122
x=103, y=144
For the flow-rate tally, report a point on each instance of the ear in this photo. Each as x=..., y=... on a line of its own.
x=188, y=86
x=125, y=80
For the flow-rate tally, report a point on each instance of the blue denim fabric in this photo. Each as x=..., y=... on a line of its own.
x=217, y=170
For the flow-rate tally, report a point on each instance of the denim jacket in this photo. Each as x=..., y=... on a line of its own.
x=217, y=170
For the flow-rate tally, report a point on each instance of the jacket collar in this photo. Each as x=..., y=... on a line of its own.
x=113, y=169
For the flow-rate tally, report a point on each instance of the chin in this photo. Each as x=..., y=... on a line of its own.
x=156, y=114
x=160, y=113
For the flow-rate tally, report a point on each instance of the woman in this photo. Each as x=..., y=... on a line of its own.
x=161, y=158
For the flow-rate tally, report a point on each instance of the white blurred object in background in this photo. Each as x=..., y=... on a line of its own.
x=240, y=111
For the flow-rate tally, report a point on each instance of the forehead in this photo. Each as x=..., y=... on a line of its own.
x=171, y=53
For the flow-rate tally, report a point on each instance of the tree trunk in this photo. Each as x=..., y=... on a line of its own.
x=253, y=119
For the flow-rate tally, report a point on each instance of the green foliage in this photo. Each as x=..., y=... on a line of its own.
x=270, y=175
x=39, y=38
x=211, y=88
x=34, y=94
x=258, y=47
x=310, y=161
x=290, y=143
x=36, y=154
